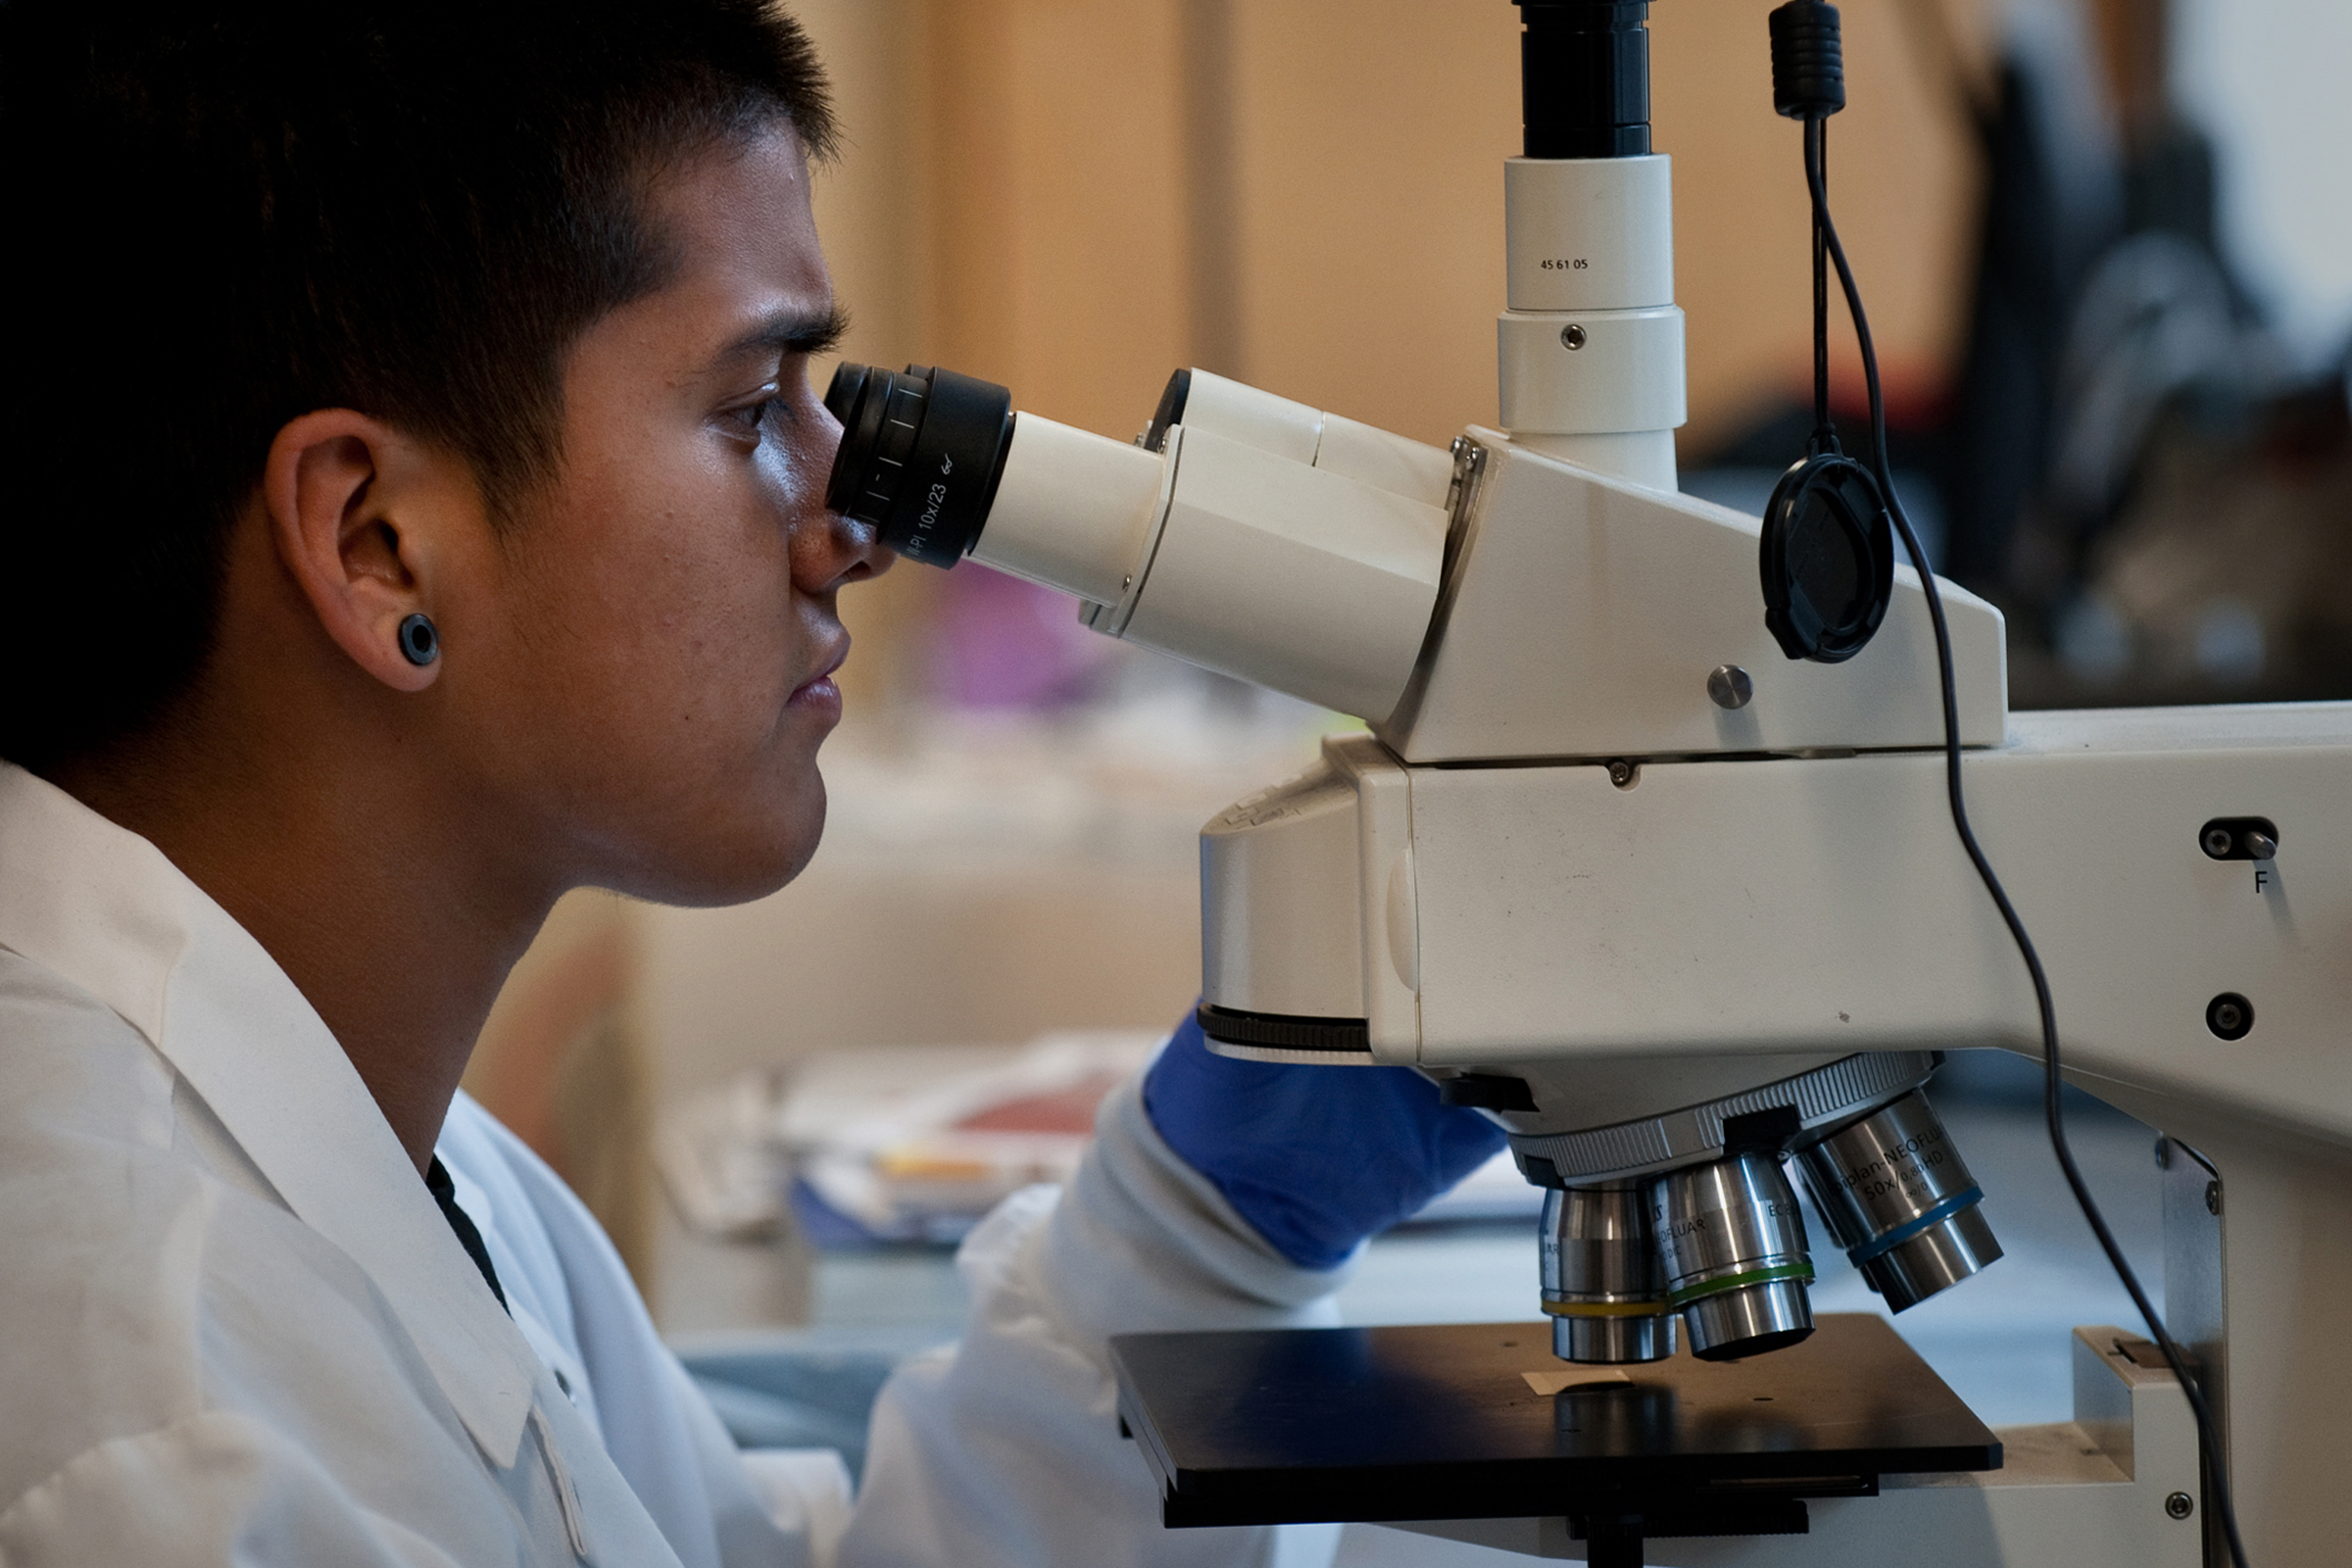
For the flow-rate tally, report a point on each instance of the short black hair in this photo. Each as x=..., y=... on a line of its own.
x=222, y=214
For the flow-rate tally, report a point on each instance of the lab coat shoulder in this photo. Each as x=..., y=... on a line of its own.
x=168, y=1319
x=215, y=1487
x=97, y=1222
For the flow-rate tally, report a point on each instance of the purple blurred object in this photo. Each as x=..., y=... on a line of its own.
x=1004, y=642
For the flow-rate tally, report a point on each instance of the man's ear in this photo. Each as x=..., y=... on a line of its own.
x=353, y=509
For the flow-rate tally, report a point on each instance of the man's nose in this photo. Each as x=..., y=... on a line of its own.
x=829, y=549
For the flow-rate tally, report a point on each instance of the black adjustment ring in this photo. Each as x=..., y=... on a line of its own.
x=1827, y=558
x=921, y=454
x=1286, y=1031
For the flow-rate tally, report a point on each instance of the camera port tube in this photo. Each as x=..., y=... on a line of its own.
x=1733, y=1243
x=1604, y=1288
x=1896, y=1194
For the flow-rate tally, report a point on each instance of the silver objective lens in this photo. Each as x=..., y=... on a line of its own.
x=1737, y=1265
x=1603, y=1285
x=1894, y=1192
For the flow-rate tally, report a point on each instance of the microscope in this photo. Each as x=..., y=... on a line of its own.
x=1682, y=912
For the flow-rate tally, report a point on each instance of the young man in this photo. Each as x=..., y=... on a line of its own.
x=415, y=511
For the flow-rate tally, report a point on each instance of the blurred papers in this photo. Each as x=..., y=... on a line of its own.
x=891, y=1143
x=917, y=1142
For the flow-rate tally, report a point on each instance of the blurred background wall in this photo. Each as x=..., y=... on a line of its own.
x=1075, y=196
x=2107, y=250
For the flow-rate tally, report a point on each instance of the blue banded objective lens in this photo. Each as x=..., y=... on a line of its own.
x=1894, y=1192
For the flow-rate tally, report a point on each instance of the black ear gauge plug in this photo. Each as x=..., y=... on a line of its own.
x=419, y=640
x=1827, y=556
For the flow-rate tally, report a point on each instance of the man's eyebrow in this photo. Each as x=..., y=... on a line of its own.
x=792, y=332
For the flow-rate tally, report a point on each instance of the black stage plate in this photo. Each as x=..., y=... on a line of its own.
x=1286, y=1426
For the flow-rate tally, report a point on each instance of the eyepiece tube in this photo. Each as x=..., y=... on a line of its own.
x=1251, y=535
x=943, y=467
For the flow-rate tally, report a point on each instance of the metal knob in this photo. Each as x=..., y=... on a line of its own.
x=1729, y=686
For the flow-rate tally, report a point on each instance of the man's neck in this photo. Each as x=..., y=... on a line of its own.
x=366, y=886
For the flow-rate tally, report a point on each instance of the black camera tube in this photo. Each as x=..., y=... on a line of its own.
x=1584, y=78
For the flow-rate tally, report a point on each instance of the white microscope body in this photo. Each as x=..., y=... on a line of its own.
x=1626, y=876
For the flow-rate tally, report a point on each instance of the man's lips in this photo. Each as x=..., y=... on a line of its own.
x=820, y=687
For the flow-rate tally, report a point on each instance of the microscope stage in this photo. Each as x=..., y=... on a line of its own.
x=1479, y=1421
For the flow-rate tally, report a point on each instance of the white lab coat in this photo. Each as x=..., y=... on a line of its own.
x=234, y=1328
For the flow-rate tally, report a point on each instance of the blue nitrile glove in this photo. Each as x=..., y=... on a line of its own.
x=1315, y=1159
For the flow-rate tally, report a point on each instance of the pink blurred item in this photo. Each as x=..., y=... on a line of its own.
x=1004, y=642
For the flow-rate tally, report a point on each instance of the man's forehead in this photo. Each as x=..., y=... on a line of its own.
x=742, y=240
x=731, y=190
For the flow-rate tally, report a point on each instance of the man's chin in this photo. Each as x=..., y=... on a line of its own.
x=726, y=868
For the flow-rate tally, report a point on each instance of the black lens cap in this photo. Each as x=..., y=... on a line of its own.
x=1827, y=558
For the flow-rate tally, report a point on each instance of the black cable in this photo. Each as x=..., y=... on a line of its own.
x=1816, y=138
x=1817, y=156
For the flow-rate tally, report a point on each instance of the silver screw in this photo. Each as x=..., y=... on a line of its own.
x=1729, y=686
x=1572, y=337
x=2179, y=1505
x=1623, y=774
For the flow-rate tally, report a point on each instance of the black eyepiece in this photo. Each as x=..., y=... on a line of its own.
x=1584, y=78
x=920, y=456
x=1809, y=62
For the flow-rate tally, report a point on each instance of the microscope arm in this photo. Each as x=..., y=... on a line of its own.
x=1543, y=922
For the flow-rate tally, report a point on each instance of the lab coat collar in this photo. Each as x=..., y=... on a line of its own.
x=103, y=908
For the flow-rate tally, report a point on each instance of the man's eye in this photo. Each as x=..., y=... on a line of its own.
x=754, y=418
